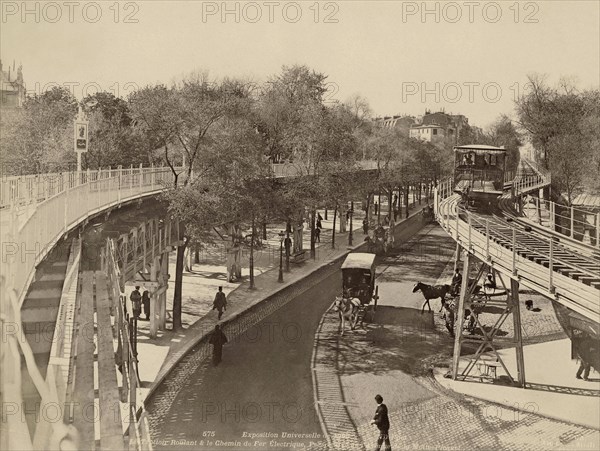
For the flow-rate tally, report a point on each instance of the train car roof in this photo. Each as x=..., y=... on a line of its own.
x=359, y=260
x=481, y=147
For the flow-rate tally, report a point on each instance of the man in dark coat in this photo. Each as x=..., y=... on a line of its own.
x=136, y=302
x=456, y=281
x=217, y=339
x=146, y=304
x=220, y=302
x=382, y=422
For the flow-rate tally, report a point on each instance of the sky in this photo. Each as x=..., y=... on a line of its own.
x=404, y=57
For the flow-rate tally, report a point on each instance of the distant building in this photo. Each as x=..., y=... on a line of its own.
x=431, y=127
x=429, y=133
x=12, y=94
x=404, y=123
x=451, y=124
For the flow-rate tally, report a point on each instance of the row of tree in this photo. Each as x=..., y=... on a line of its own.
x=225, y=133
x=562, y=123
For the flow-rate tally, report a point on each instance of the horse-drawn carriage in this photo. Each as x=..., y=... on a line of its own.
x=427, y=215
x=358, y=289
x=379, y=243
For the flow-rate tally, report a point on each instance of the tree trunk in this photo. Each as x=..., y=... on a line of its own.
x=325, y=213
x=406, y=201
x=333, y=230
x=264, y=229
x=251, y=269
x=390, y=206
x=379, y=207
x=313, y=251
x=342, y=215
x=177, y=293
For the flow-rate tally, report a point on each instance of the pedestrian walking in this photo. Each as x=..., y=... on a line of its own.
x=287, y=244
x=365, y=226
x=456, y=281
x=586, y=350
x=146, y=303
x=448, y=316
x=136, y=302
x=395, y=201
x=220, y=302
x=584, y=367
x=317, y=235
x=382, y=422
x=376, y=207
x=319, y=219
x=217, y=339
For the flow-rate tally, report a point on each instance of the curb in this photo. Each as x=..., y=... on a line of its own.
x=186, y=349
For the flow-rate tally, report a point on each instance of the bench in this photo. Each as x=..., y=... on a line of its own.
x=298, y=257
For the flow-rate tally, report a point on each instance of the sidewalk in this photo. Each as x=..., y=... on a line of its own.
x=393, y=356
x=553, y=391
x=158, y=356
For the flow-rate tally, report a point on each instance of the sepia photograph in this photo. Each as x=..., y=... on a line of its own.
x=316, y=225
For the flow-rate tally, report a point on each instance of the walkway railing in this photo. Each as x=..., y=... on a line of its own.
x=38, y=210
x=499, y=247
x=530, y=177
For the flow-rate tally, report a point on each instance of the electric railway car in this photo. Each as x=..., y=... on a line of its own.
x=479, y=173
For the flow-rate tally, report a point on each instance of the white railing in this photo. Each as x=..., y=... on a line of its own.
x=500, y=249
x=40, y=213
x=290, y=169
x=529, y=178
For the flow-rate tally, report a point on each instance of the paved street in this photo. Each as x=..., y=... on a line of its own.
x=393, y=357
x=263, y=386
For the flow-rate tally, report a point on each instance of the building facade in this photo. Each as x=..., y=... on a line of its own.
x=12, y=87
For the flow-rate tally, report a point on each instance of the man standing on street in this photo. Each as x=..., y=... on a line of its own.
x=136, y=302
x=382, y=422
x=217, y=339
x=220, y=302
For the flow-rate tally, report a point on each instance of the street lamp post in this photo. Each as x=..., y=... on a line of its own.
x=351, y=214
x=281, y=237
x=80, y=141
x=288, y=245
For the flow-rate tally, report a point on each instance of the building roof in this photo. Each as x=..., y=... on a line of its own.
x=480, y=147
x=427, y=126
x=587, y=200
x=360, y=260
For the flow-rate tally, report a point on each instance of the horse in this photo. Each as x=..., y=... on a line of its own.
x=347, y=308
x=431, y=292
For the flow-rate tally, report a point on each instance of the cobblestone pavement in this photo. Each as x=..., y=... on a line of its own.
x=197, y=399
x=393, y=357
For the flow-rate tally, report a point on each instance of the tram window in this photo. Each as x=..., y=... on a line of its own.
x=493, y=160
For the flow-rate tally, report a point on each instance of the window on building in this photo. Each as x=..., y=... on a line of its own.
x=435, y=131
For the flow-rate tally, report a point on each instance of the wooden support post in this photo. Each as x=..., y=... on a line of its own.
x=551, y=267
x=164, y=278
x=487, y=239
x=154, y=299
x=456, y=257
x=516, y=311
x=470, y=228
x=598, y=230
x=457, y=212
x=514, y=251
x=460, y=314
x=572, y=222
